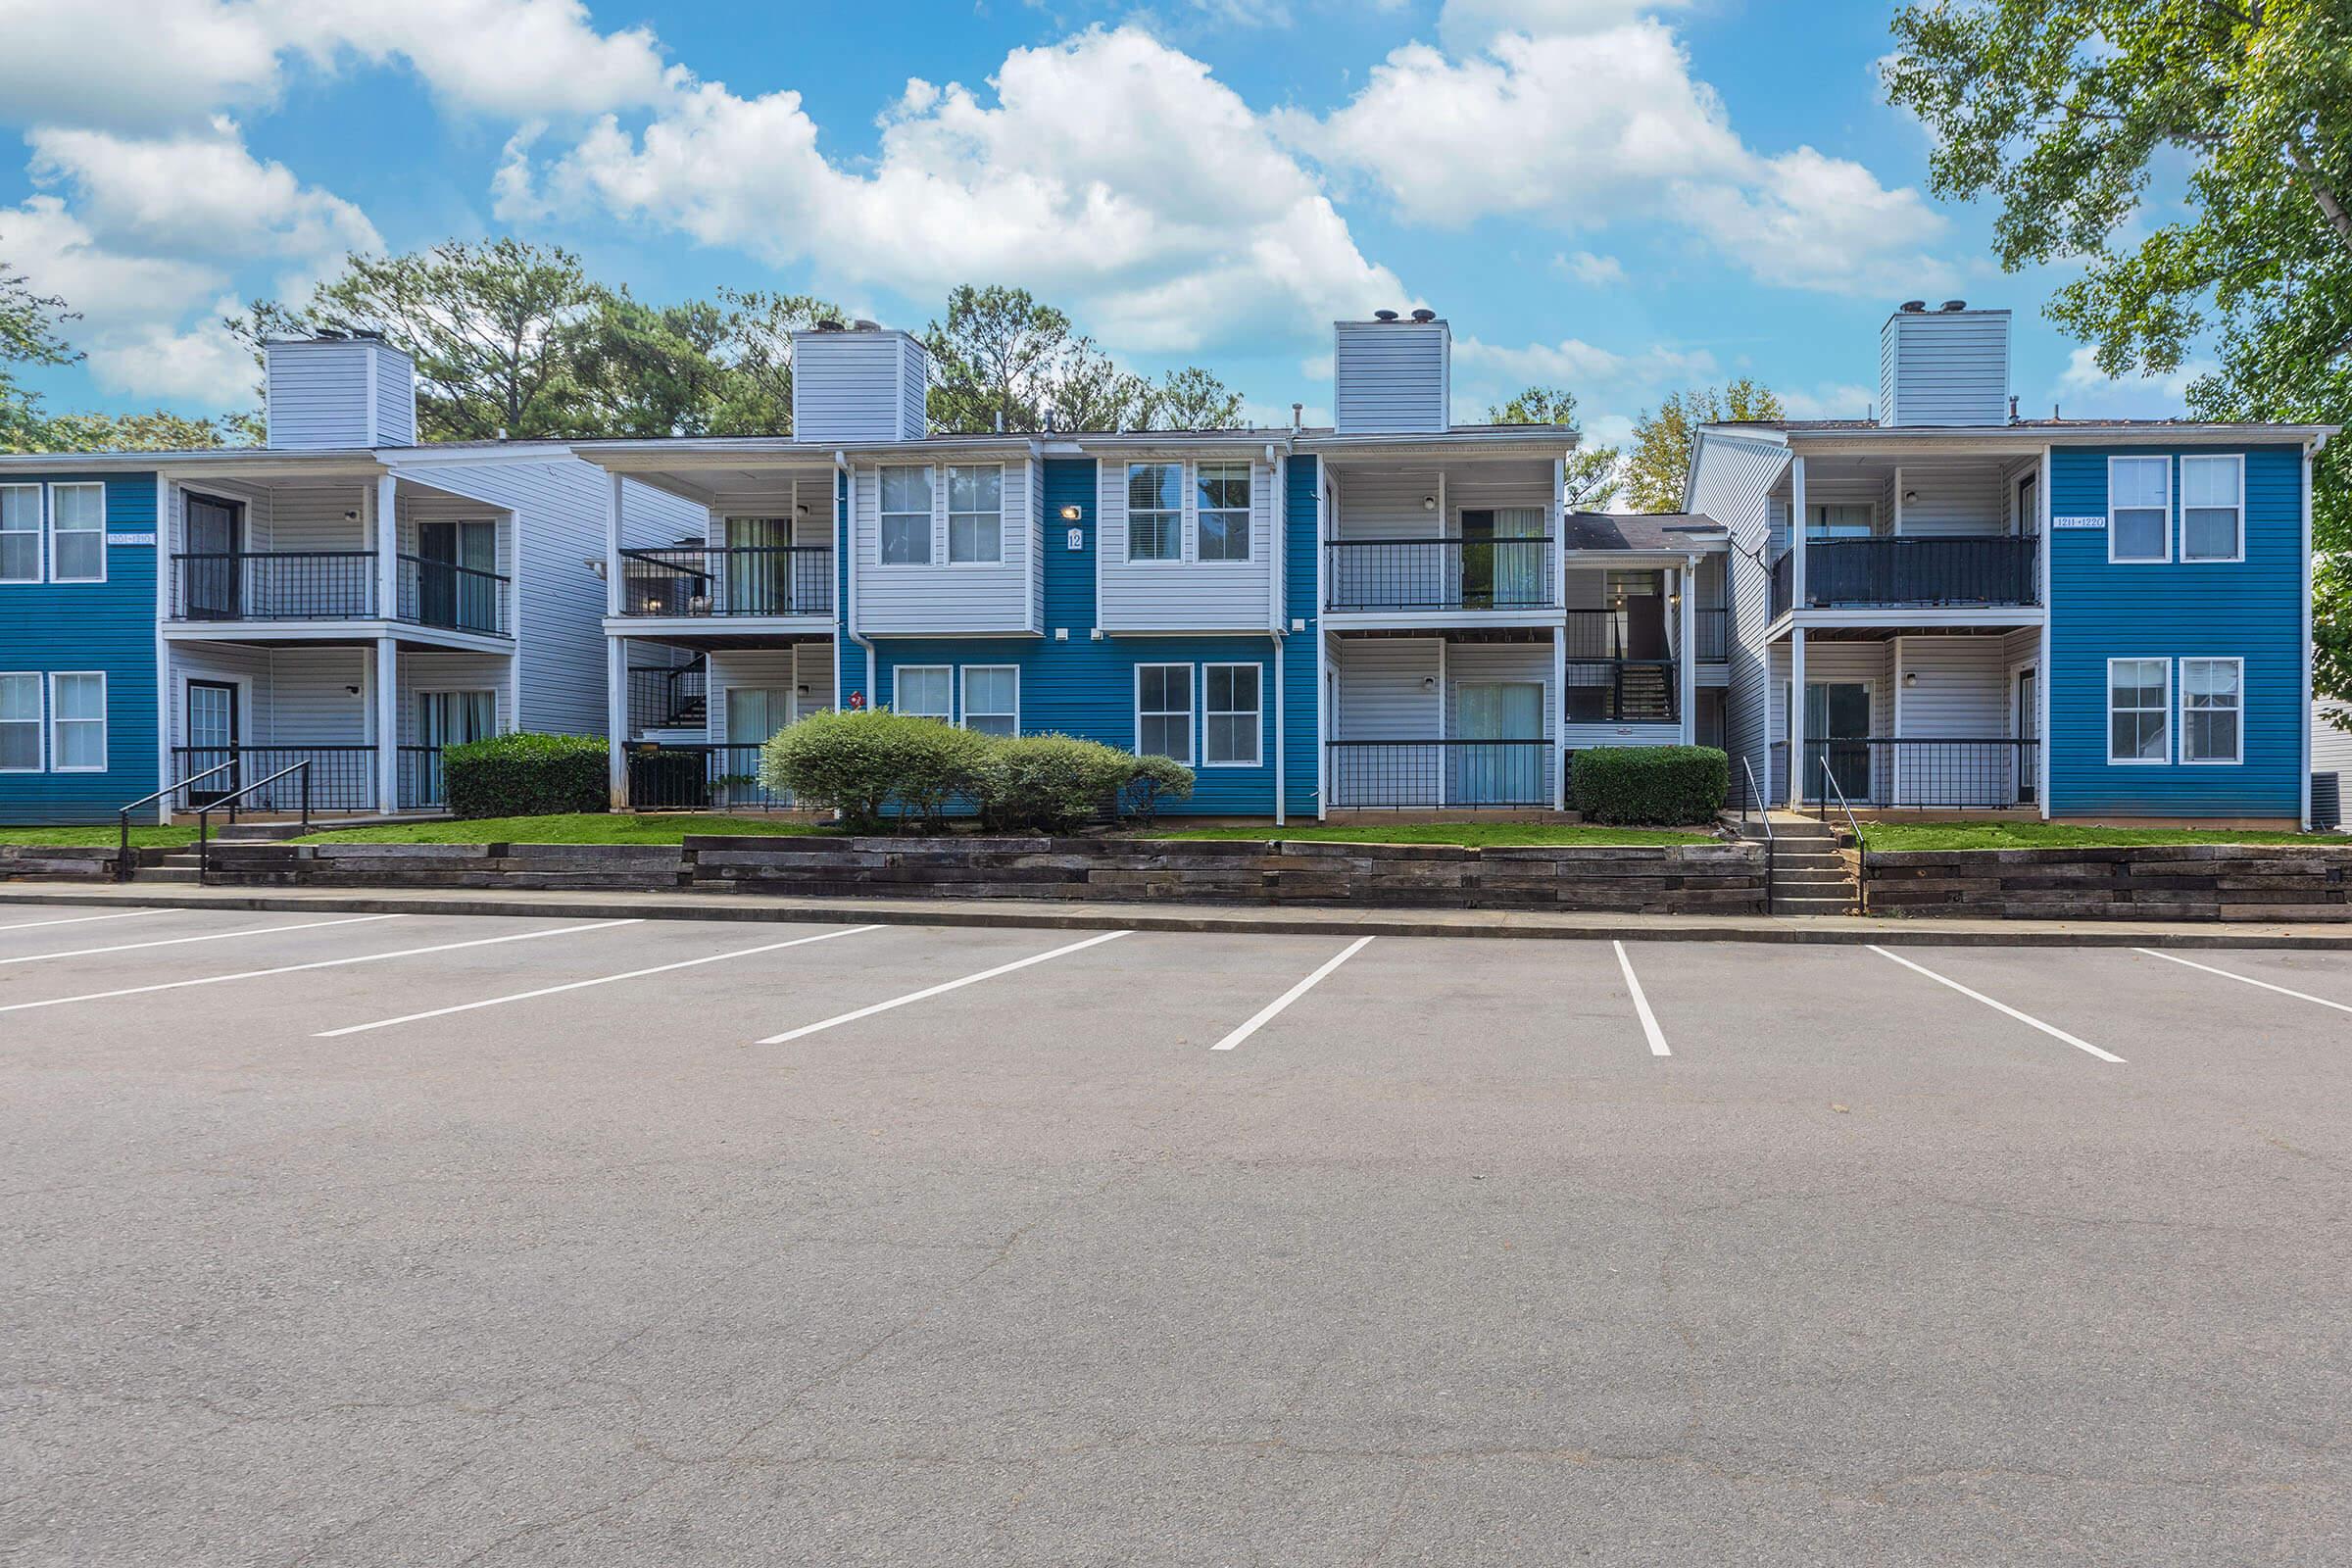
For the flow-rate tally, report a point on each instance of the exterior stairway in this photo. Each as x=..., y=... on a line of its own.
x=1810, y=873
x=172, y=865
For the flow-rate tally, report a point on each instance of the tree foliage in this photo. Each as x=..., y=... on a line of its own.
x=2068, y=110
x=1661, y=463
x=33, y=334
x=1004, y=360
x=1593, y=472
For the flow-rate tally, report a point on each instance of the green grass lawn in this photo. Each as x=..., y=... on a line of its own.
x=2065, y=835
x=580, y=827
x=1477, y=835
x=150, y=837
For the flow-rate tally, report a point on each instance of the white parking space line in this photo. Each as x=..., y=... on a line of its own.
x=937, y=990
x=1649, y=1019
x=1265, y=1014
x=322, y=963
x=583, y=985
x=2244, y=979
x=209, y=936
x=2052, y=1030
x=79, y=920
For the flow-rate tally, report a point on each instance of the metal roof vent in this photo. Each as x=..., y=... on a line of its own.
x=1384, y=315
x=865, y=325
x=828, y=324
x=1913, y=306
x=1955, y=305
x=1425, y=315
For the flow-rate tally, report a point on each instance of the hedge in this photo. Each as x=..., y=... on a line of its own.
x=527, y=775
x=1663, y=786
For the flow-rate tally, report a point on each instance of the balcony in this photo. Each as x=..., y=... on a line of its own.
x=1925, y=571
x=341, y=778
x=1443, y=774
x=742, y=580
x=290, y=585
x=1438, y=574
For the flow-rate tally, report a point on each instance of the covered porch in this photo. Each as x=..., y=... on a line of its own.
x=1905, y=532
x=1467, y=721
x=701, y=712
x=1441, y=541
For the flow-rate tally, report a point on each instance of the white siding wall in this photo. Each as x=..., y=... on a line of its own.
x=249, y=668
x=338, y=394
x=310, y=702
x=1958, y=688
x=1954, y=497
x=1733, y=485
x=1944, y=368
x=1190, y=595
x=1392, y=376
x=940, y=598
x=2331, y=746
x=859, y=386
x=1381, y=696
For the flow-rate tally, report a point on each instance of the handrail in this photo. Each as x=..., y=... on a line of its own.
x=1861, y=850
x=1764, y=814
x=204, y=850
x=122, y=817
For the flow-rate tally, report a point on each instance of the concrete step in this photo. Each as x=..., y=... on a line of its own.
x=167, y=873
x=1836, y=905
x=1811, y=880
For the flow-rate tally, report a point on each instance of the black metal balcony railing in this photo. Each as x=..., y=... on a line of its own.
x=1622, y=691
x=342, y=778
x=1711, y=634
x=1887, y=773
x=1901, y=570
x=741, y=581
x=1449, y=774
x=668, y=696
x=454, y=598
x=1440, y=575
x=698, y=779
x=274, y=585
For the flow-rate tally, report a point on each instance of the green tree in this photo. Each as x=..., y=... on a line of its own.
x=1192, y=399
x=2065, y=110
x=719, y=366
x=1007, y=361
x=1593, y=472
x=28, y=336
x=156, y=431
x=1660, y=461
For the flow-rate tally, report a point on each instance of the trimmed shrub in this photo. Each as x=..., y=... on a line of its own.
x=1152, y=780
x=1049, y=783
x=525, y=774
x=1658, y=785
x=874, y=765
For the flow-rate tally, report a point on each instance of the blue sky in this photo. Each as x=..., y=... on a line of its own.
x=1621, y=196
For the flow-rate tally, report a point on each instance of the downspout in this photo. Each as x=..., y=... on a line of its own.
x=2311, y=454
x=849, y=536
x=1278, y=564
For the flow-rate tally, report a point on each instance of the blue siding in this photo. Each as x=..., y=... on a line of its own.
x=2250, y=609
x=105, y=627
x=1301, y=668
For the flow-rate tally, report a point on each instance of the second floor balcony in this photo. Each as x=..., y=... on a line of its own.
x=314, y=585
x=1440, y=575
x=728, y=582
x=1903, y=571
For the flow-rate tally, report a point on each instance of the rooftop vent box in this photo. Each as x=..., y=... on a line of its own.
x=861, y=382
x=1393, y=376
x=337, y=391
x=1946, y=365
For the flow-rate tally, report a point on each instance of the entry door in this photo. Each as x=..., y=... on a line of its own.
x=2025, y=723
x=1499, y=774
x=1837, y=723
x=2029, y=503
x=211, y=723
x=447, y=595
x=212, y=577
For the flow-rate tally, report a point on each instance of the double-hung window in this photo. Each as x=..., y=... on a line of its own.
x=906, y=515
x=1163, y=711
x=1230, y=713
x=1222, y=492
x=923, y=691
x=2138, y=707
x=2212, y=709
x=77, y=722
x=1155, y=511
x=77, y=533
x=20, y=723
x=2213, y=508
x=20, y=533
x=992, y=699
x=976, y=515
x=2140, y=509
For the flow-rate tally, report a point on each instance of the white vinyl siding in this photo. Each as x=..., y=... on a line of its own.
x=2138, y=711
x=992, y=699
x=905, y=537
x=1163, y=711
x=77, y=722
x=2213, y=508
x=2212, y=724
x=1944, y=368
x=77, y=533
x=19, y=723
x=1232, y=716
x=977, y=515
x=1392, y=378
x=20, y=533
x=2140, y=509
x=859, y=386
x=924, y=691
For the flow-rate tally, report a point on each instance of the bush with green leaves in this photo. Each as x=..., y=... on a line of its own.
x=874, y=765
x=1663, y=786
x=525, y=774
x=1149, y=781
x=1049, y=783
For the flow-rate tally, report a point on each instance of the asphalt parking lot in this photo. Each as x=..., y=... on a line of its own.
x=375, y=1240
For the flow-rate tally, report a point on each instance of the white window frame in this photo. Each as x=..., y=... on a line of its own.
x=58, y=721
x=1192, y=713
x=963, y=693
x=2181, y=685
x=39, y=720
x=1257, y=717
x=996, y=559
x=897, y=686
x=930, y=516
x=38, y=532
x=1183, y=510
x=2165, y=709
x=2171, y=511
x=99, y=533
x=2237, y=459
x=1248, y=512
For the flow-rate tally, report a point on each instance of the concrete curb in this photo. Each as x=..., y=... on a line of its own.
x=1803, y=930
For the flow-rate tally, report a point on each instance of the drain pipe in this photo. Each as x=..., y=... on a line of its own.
x=848, y=614
x=1278, y=568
